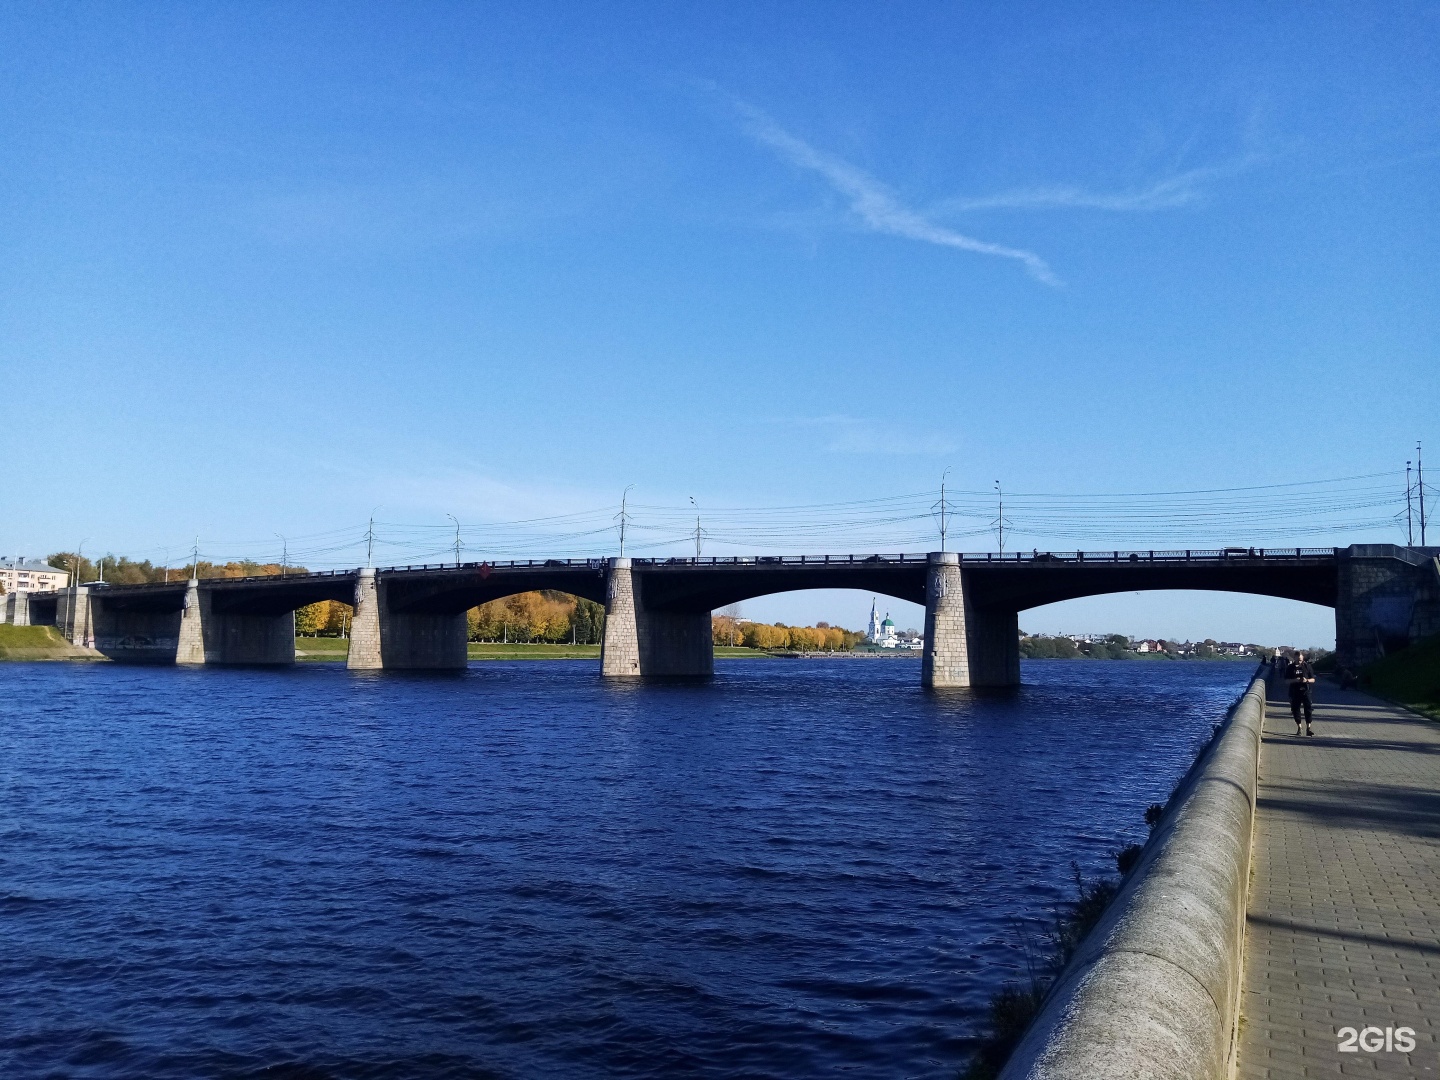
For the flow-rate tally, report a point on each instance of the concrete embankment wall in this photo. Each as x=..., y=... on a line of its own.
x=1154, y=990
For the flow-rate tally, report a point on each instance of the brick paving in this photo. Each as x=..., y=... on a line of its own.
x=1343, y=927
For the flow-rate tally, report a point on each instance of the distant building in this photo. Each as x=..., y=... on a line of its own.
x=880, y=632
x=19, y=574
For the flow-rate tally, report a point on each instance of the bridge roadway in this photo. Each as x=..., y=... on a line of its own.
x=658, y=610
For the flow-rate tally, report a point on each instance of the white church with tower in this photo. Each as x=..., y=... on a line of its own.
x=881, y=633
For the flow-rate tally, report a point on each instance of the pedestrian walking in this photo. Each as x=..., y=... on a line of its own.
x=1301, y=677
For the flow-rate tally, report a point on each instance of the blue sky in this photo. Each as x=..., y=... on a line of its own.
x=264, y=267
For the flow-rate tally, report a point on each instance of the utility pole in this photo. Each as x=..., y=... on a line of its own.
x=370, y=541
x=284, y=555
x=453, y=518
x=195, y=561
x=623, y=518
x=697, y=527
x=1409, y=521
x=1420, y=484
x=942, y=508
x=1000, y=521
x=167, y=565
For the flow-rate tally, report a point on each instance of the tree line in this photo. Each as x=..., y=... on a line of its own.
x=118, y=570
x=822, y=637
x=527, y=618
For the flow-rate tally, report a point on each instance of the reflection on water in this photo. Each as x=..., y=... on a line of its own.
x=796, y=869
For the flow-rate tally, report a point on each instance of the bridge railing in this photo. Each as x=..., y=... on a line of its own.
x=987, y=558
x=1225, y=555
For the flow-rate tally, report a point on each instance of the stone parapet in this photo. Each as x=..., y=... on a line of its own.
x=1154, y=990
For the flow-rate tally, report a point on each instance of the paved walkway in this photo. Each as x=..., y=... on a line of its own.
x=1343, y=928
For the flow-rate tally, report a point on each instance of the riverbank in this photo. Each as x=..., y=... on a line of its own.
x=337, y=649
x=39, y=643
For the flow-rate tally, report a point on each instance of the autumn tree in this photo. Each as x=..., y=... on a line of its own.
x=310, y=619
x=546, y=616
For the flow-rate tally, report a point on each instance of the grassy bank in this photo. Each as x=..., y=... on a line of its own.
x=731, y=652
x=322, y=648
x=1410, y=677
x=494, y=650
x=329, y=648
x=38, y=643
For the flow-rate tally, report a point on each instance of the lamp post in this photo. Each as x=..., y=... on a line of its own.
x=75, y=589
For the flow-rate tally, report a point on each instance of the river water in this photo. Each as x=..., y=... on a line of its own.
x=801, y=868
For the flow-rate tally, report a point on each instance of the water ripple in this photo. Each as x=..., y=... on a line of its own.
x=796, y=870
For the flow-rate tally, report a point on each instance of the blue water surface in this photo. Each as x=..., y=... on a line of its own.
x=800, y=868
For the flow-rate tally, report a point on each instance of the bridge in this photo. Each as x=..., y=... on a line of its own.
x=658, y=611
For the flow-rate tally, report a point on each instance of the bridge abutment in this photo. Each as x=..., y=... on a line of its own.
x=389, y=640
x=1387, y=597
x=17, y=608
x=965, y=645
x=641, y=642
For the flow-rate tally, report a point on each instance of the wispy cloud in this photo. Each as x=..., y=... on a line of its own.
x=874, y=203
x=856, y=435
x=1182, y=189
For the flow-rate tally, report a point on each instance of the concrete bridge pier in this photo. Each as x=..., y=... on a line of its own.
x=72, y=617
x=946, y=660
x=17, y=608
x=208, y=636
x=382, y=638
x=965, y=644
x=642, y=642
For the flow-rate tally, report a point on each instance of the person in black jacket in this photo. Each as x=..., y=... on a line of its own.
x=1301, y=677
